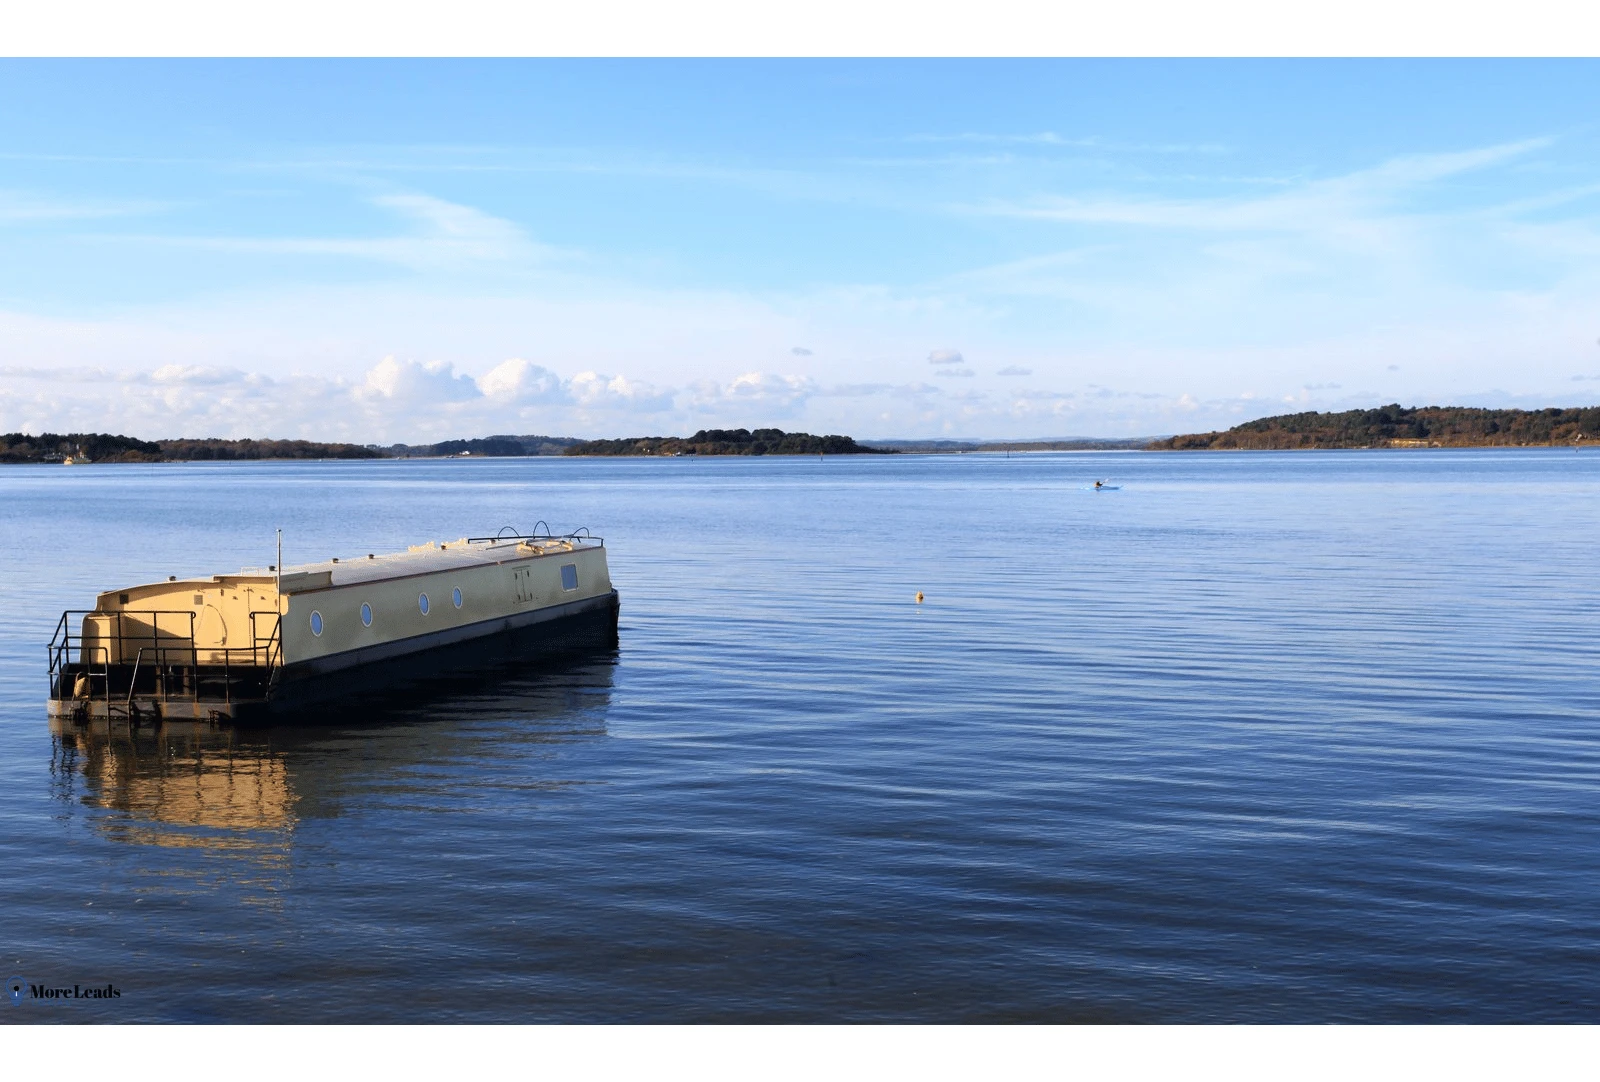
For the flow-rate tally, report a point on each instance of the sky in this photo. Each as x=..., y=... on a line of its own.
x=397, y=251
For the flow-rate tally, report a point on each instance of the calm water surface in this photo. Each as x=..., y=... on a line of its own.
x=1260, y=737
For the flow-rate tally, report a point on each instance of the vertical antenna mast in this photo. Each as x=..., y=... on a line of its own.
x=278, y=567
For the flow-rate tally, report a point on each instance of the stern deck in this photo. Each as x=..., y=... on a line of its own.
x=146, y=664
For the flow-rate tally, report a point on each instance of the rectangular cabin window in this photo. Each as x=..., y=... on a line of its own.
x=122, y=599
x=569, y=576
x=199, y=599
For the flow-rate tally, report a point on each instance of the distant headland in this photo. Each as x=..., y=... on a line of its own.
x=1399, y=426
x=729, y=441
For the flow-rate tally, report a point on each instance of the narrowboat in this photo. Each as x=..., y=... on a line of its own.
x=266, y=640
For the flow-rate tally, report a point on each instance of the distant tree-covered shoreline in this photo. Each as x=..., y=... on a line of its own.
x=1386, y=426
x=485, y=447
x=16, y=447
x=1400, y=426
x=723, y=441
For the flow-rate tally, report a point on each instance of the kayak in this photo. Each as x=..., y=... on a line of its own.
x=1105, y=488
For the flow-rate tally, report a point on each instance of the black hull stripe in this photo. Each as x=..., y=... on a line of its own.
x=366, y=655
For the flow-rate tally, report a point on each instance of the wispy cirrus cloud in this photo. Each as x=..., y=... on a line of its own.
x=1415, y=240
x=18, y=208
x=1149, y=280
x=1052, y=139
x=442, y=235
x=1310, y=206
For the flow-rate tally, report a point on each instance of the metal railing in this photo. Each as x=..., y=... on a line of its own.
x=581, y=534
x=166, y=664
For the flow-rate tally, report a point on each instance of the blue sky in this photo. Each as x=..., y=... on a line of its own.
x=389, y=251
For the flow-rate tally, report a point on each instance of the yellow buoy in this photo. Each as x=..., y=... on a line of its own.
x=919, y=597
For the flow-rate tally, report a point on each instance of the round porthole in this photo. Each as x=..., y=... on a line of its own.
x=366, y=614
x=316, y=622
x=422, y=603
x=455, y=595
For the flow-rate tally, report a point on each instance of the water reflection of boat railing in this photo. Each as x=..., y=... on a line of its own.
x=209, y=785
x=180, y=784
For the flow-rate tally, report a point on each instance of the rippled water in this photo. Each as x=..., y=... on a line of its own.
x=1273, y=737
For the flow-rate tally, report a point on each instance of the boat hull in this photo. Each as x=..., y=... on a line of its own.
x=480, y=648
x=331, y=685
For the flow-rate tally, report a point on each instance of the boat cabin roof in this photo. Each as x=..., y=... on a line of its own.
x=377, y=566
x=425, y=558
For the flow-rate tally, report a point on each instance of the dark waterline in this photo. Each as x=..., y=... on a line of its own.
x=1260, y=737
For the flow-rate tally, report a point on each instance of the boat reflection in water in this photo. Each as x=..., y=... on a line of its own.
x=245, y=792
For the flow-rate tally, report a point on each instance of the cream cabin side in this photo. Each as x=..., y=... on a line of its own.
x=410, y=612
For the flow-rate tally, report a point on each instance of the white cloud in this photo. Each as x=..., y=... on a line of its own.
x=410, y=381
x=522, y=382
x=945, y=357
x=1014, y=370
x=762, y=386
x=961, y=372
x=196, y=375
x=856, y=390
x=800, y=351
x=753, y=394
x=64, y=374
x=394, y=400
x=593, y=391
x=874, y=390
